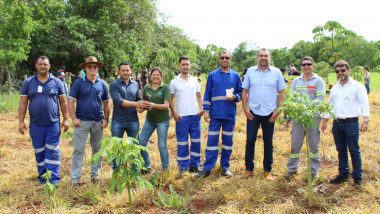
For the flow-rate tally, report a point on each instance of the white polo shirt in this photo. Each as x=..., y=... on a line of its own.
x=185, y=92
x=349, y=100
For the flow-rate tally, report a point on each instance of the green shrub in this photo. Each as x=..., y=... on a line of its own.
x=9, y=102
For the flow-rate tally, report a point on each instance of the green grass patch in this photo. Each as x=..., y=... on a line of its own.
x=9, y=102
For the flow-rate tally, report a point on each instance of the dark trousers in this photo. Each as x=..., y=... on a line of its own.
x=346, y=135
x=252, y=128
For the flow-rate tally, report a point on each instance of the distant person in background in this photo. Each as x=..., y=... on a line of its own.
x=138, y=80
x=45, y=95
x=366, y=78
x=283, y=74
x=290, y=70
x=294, y=71
x=81, y=74
x=62, y=75
x=243, y=74
x=144, y=78
x=199, y=76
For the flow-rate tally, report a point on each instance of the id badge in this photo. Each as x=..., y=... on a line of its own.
x=39, y=89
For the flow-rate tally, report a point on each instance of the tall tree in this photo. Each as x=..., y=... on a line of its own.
x=334, y=37
x=16, y=26
x=169, y=43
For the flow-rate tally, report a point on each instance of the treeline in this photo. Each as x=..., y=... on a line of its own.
x=132, y=30
x=331, y=42
x=111, y=30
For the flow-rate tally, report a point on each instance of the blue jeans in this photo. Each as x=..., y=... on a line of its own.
x=252, y=128
x=346, y=135
x=367, y=88
x=162, y=132
x=118, y=128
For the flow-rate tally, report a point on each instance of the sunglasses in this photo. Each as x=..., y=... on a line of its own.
x=92, y=66
x=225, y=57
x=307, y=64
x=340, y=70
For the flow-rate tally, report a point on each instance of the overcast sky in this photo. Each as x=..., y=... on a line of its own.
x=269, y=23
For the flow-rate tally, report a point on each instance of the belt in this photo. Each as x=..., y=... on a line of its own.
x=347, y=120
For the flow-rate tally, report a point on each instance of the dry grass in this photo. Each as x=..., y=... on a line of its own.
x=20, y=192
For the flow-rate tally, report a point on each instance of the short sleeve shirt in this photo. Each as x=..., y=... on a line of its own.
x=89, y=96
x=43, y=99
x=185, y=92
x=59, y=73
x=120, y=91
x=158, y=96
x=263, y=87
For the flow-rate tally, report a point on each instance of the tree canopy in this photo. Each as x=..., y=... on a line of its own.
x=67, y=31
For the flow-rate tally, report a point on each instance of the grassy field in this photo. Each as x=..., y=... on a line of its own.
x=8, y=102
x=21, y=193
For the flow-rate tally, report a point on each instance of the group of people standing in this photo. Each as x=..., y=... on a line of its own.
x=261, y=93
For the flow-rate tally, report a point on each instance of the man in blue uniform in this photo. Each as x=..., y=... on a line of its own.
x=45, y=94
x=223, y=91
x=89, y=93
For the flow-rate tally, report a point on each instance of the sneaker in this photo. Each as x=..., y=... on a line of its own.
x=289, y=176
x=201, y=175
x=193, y=170
x=56, y=185
x=77, y=184
x=313, y=178
x=357, y=182
x=339, y=179
x=226, y=172
x=95, y=180
x=144, y=171
x=182, y=172
x=268, y=176
x=247, y=173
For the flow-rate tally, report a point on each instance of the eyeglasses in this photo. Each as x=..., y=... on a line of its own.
x=225, y=57
x=92, y=66
x=340, y=70
x=307, y=64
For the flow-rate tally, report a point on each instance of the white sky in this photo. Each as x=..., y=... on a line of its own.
x=268, y=23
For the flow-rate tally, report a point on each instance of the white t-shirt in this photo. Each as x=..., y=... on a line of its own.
x=185, y=92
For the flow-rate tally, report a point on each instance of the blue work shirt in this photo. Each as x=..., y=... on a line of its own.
x=43, y=99
x=89, y=96
x=120, y=91
x=59, y=73
x=263, y=87
x=215, y=100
